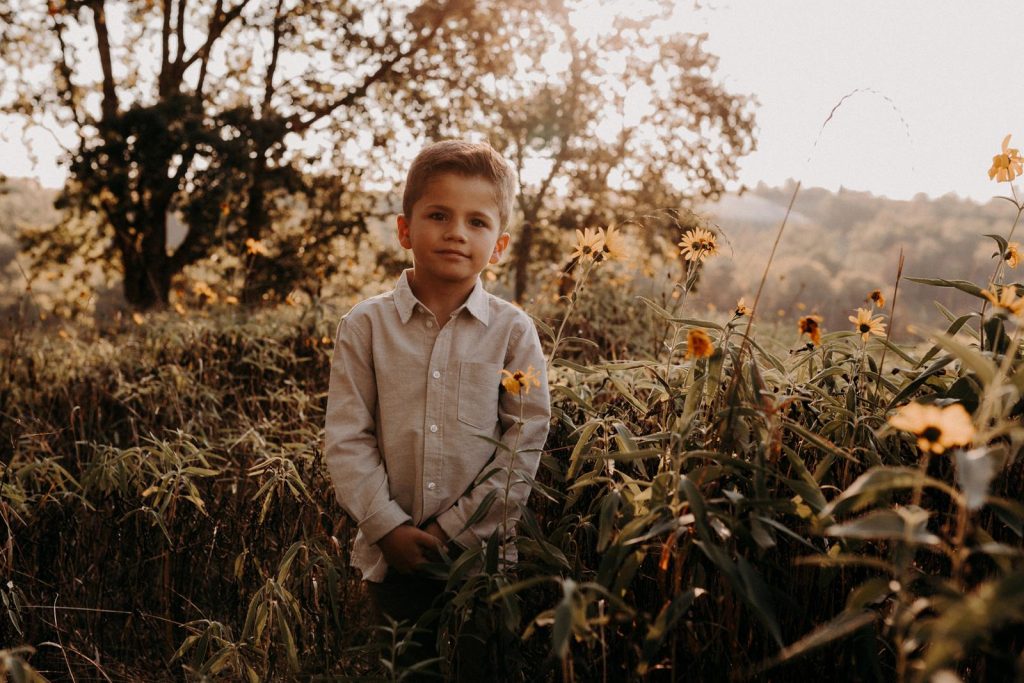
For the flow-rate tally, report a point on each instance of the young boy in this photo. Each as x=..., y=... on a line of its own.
x=416, y=380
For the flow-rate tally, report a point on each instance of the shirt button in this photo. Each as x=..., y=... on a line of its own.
x=430, y=323
x=431, y=486
x=436, y=374
x=433, y=428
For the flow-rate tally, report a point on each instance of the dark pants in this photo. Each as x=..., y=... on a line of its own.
x=408, y=598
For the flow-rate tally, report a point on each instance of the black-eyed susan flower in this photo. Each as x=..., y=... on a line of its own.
x=867, y=325
x=876, y=298
x=1012, y=254
x=1006, y=299
x=811, y=326
x=614, y=246
x=589, y=243
x=520, y=381
x=1006, y=165
x=741, y=308
x=697, y=244
x=698, y=344
x=937, y=429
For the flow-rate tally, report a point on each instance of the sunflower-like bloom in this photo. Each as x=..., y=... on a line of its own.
x=589, y=244
x=936, y=429
x=1006, y=165
x=698, y=344
x=1012, y=254
x=520, y=381
x=876, y=298
x=255, y=247
x=698, y=244
x=741, y=308
x=1007, y=299
x=866, y=325
x=614, y=245
x=811, y=326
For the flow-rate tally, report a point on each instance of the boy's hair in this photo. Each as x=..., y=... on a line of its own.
x=464, y=158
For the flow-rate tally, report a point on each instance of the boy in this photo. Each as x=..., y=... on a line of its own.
x=416, y=379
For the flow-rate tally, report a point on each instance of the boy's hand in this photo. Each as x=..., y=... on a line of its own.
x=405, y=548
x=435, y=530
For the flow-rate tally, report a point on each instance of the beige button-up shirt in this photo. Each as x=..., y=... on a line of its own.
x=408, y=405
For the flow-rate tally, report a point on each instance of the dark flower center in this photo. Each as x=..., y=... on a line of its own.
x=864, y=327
x=931, y=434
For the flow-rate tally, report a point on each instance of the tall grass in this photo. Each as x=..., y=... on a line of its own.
x=748, y=513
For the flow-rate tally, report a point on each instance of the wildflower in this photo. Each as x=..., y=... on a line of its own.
x=698, y=344
x=138, y=318
x=614, y=246
x=811, y=326
x=589, y=244
x=1007, y=165
x=866, y=325
x=179, y=308
x=741, y=308
x=1007, y=299
x=698, y=244
x=1012, y=254
x=517, y=381
x=256, y=247
x=876, y=298
x=204, y=290
x=231, y=299
x=936, y=428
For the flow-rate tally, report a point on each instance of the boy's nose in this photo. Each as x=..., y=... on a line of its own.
x=456, y=230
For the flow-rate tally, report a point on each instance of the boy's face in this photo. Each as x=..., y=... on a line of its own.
x=454, y=230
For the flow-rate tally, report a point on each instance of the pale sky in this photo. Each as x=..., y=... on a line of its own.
x=942, y=84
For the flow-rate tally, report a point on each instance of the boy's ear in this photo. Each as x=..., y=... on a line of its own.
x=403, y=232
x=499, y=248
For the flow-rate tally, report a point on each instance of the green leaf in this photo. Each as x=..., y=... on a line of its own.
x=905, y=524
x=870, y=486
x=962, y=285
x=975, y=470
x=839, y=627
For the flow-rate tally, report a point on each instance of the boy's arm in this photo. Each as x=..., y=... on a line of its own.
x=523, y=441
x=351, y=454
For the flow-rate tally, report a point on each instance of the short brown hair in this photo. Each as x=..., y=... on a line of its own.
x=464, y=158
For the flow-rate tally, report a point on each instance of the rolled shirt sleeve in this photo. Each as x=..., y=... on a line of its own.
x=351, y=449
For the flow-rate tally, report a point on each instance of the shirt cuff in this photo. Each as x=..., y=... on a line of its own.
x=451, y=523
x=383, y=521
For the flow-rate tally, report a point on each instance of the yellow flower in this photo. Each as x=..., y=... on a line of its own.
x=204, y=290
x=741, y=308
x=517, y=381
x=811, y=326
x=1007, y=299
x=589, y=243
x=1007, y=165
x=936, y=428
x=698, y=244
x=614, y=245
x=698, y=344
x=255, y=247
x=866, y=325
x=876, y=298
x=1012, y=254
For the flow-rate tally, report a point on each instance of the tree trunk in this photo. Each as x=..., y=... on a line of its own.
x=524, y=245
x=147, y=267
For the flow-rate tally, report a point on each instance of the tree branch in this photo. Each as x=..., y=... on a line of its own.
x=99, y=20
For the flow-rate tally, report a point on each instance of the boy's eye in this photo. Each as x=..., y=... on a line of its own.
x=436, y=216
x=479, y=222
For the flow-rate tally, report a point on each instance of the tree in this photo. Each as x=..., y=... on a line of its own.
x=628, y=121
x=202, y=108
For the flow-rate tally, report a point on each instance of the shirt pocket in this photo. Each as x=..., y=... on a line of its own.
x=478, y=394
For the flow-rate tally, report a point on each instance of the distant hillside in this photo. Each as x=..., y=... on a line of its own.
x=839, y=246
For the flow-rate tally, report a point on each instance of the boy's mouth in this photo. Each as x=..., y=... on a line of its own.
x=452, y=252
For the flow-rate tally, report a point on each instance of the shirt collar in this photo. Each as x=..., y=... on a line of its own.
x=406, y=301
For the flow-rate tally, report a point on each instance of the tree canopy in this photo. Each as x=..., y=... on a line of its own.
x=236, y=116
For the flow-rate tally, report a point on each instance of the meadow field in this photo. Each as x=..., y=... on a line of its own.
x=714, y=503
